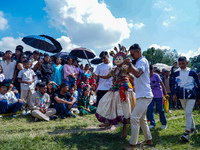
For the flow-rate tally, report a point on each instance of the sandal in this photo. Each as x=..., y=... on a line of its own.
x=148, y=142
x=103, y=125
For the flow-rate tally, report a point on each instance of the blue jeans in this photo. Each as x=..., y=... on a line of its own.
x=62, y=109
x=13, y=108
x=159, y=106
x=70, y=83
x=3, y=106
x=9, y=108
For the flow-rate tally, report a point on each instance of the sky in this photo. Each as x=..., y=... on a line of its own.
x=102, y=24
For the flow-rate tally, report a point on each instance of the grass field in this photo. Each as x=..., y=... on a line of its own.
x=83, y=133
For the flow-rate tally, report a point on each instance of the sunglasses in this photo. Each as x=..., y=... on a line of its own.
x=103, y=58
x=24, y=57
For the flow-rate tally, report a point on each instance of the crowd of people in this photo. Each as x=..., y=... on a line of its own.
x=124, y=90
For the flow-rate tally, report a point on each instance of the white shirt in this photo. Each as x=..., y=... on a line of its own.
x=142, y=84
x=10, y=97
x=8, y=68
x=103, y=69
x=26, y=75
x=2, y=77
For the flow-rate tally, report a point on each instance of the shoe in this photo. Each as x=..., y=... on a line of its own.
x=170, y=111
x=23, y=112
x=36, y=119
x=28, y=111
x=164, y=127
x=14, y=116
x=185, y=137
x=72, y=115
x=62, y=117
x=152, y=127
x=193, y=131
x=1, y=116
x=54, y=117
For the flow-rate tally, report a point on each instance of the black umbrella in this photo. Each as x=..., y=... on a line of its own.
x=43, y=42
x=1, y=54
x=96, y=61
x=64, y=55
x=83, y=53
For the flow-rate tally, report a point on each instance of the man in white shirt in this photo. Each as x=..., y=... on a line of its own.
x=143, y=96
x=8, y=101
x=8, y=66
x=103, y=69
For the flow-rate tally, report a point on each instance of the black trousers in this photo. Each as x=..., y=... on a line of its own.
x=100, y=94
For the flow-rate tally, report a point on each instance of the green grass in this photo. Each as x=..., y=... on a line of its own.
x=83, y=133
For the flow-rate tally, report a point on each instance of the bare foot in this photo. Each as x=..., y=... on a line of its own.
x=103, y=125
x=112, y=128
x=131, y=147
x=124, y=135
x=148, y=142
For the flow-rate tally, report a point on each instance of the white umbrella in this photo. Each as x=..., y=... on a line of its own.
x=162, y=66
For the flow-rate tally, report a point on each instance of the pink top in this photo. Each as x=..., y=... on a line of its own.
x=69, y=69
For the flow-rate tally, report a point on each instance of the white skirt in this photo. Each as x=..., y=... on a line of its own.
x=112, y=109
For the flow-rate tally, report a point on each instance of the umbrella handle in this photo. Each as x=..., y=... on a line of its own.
x=86, y=57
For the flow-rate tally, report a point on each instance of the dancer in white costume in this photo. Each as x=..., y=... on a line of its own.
x=117, y=104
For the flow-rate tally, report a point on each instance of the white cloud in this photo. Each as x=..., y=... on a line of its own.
x=3, y=22
x=66, y=44
x=87, y=22
x=168, y=21
x=156, y=46
x=172, y=17
x=190, y=53
x=138, y=26
x=163, y=5
x=10, y=43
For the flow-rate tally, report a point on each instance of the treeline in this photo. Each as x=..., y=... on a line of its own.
x=168, y=57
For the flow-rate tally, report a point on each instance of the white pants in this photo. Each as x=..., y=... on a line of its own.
x=40, y=115
x=138, y=119
x=188, y=105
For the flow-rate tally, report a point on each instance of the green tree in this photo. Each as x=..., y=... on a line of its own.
x=161, y=56
x=195, y=63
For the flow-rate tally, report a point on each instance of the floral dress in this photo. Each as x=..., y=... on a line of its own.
x=118, y=103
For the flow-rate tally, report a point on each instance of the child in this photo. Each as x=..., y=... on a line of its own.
x=8, y=102
x=26, y=77
x=73, y=108
x=185, y=86
x=157, y=88
x=83, y=103
x=2, y=77
x=93, y=96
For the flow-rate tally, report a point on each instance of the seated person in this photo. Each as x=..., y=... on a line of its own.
x=93, y=95
x=73, y=108
x=51, y=90
x=63, y=105
x=8, y=101
x=14, y=89
x=39, y=104
x=83, y=103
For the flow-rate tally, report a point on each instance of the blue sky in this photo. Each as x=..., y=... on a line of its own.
x=100, y=25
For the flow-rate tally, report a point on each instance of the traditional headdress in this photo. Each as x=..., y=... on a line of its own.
x=121, y=52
